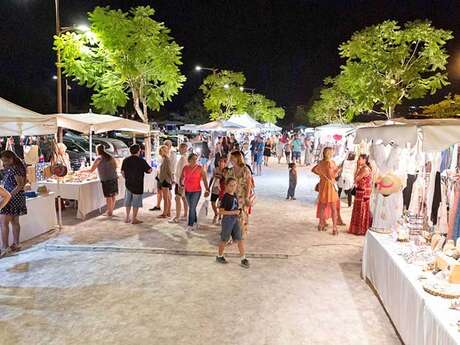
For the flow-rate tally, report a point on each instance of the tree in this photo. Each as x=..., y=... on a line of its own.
x=263, y=109
x=195, y=111
x=124, y=54
x=223, y=96
x=449, y=107
x=387, y=64
x=335, y=104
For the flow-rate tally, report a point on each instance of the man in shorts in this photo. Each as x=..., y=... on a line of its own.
x=181, y=202
x=231, y=213
x=133, y=169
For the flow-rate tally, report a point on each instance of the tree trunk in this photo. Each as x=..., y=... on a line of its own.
x=391, y=111
x=148, y=138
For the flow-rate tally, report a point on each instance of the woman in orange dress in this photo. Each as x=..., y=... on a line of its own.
x=328, y=198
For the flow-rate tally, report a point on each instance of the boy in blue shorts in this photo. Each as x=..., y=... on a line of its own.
x=231, y=212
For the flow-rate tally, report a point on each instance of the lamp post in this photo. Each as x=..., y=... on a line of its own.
x=199, y=68
x=58, y=62
x=247, y=88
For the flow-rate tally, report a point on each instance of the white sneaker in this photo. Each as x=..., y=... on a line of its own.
x=189, y=228
x=195, y=227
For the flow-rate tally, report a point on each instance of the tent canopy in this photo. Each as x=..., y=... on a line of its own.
x=335, y=128
x=271, y=127
x=84, y=123
x=16, y=120
x=245, y=121
x=219, y=125
x=435, y=134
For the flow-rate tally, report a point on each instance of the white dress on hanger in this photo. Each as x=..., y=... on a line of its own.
x=386, y=210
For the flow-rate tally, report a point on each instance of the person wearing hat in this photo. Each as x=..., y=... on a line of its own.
x=361, y=215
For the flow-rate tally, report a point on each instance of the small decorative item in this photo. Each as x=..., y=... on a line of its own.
x=59, y=170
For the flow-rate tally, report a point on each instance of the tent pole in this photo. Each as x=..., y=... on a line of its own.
x=90, y=146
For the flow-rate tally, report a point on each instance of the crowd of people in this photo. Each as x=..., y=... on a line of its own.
x=230, y=163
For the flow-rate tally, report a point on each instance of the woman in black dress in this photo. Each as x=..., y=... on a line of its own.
x=14, y=180
x=267, y=151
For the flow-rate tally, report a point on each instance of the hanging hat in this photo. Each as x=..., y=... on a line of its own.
x=388, y=184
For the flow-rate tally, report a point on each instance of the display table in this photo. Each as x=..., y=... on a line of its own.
x=40, y=218
x=420, y=318
x=88, y=194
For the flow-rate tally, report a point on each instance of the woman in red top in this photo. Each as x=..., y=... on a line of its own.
x=361, y=218
x=191, y=178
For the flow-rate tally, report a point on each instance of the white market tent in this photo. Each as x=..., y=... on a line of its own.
x=97, y=123
x=219, y=125
x=16, y=120
x=271, y=127
x=434, y=134
x=246, y=121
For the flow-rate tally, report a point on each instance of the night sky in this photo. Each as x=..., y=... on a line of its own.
x=284, y=47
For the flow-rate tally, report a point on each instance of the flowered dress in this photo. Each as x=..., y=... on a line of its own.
x=242, y=193
x=17, y=205
x=361, y=219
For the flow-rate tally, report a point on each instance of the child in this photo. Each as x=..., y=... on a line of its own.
x=218, y=186
x=292, y=181
x=231, y=212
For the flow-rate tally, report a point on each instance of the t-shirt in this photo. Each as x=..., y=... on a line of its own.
x=134, y=168
x=296, y=145
x=229, y=202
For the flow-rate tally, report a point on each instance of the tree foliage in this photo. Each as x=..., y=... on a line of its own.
x=223, y=96
x=194, y=111
x=124, y=54
x=449, y=107
x=263, y=109
x=387, y=63
x=335, y=104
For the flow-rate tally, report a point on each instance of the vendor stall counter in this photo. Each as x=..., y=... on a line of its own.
x=419, y=317
x=88, y=194
x=40, y=218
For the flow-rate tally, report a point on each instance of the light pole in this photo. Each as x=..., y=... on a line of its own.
x=199, y=68
x=247, y=88
x=58, y=62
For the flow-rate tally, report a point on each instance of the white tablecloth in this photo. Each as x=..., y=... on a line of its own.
x=420, y=318
x=40, y=218
x=88, y=194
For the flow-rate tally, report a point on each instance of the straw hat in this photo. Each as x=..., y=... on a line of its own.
x=388, y=184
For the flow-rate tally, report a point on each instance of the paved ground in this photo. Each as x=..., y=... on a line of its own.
x=128, y=296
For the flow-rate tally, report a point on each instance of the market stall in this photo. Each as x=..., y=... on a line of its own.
x=18, y=121
x=81, y=186
x=86, y=192
x=411, y=253
x=338, y=136
x=396, y=271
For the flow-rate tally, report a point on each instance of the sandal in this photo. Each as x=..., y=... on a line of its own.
x=15, y=247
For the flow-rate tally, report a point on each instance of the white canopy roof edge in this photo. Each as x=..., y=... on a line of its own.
x=436, y=134
x=245, y=121
x=16, y=120
x=219, y=125
x=99, y=123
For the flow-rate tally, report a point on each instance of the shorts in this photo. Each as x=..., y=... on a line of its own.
x=109, y=188
x=231, y=227
x=133, y=200
x=178, y=190
x=296, y=155
x=203, y=161
x=214, y=197
x=259, y=158
x=165, y=184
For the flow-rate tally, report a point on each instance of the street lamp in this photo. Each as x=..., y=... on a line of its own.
x=199, y=68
